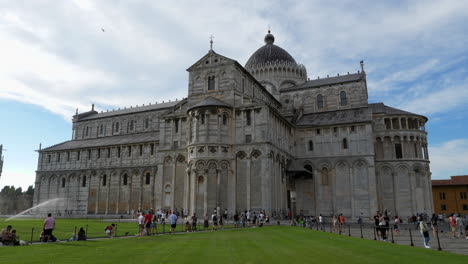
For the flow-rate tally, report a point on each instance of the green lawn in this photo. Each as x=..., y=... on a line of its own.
x=255, y=245
x=66, y=227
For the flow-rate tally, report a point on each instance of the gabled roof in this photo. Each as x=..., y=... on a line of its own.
x=105, y=141
x=327, y=81
x=210, y=53
x=454, y=180
x=210, y=101
x=131, y=110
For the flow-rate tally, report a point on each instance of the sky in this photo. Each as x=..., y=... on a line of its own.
x=59, y=56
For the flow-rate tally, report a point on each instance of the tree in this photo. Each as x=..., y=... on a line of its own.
x=30, y=190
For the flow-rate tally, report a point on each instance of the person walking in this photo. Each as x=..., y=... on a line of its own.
x=214, y=218
x=173, y=218
x=321, y=221
x=453, y=225
x=434, y=221
x=48, y=227
x=148, y=222
x=396, y=225
x=424, y=232
x=206, y=222
x=341, y=219
x=141, y=224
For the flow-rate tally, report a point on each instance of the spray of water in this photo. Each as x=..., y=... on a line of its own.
x=43, y=204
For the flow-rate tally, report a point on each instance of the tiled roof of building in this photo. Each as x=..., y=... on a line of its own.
x=106, y=141
x=328, y=81
x=130, y=110
x=211, y=101
x=382, y=108
x=336, y=117
x=454, y=180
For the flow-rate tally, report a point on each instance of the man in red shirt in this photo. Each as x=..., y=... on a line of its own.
x=341, y=219
x=148, y=222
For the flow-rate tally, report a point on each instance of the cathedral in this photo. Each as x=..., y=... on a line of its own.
x=262, y=136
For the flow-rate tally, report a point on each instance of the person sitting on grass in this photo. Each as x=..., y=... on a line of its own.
x=5, y=236
x=188, y=227
x=81, y=235
x=110, y=230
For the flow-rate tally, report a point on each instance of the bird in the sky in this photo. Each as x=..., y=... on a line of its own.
x=103, y=30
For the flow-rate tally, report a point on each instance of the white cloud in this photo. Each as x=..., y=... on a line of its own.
x=449, y=158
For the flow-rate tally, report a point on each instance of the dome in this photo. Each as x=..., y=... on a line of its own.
x=269, y=53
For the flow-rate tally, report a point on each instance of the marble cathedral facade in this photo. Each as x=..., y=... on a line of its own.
x=256, y=137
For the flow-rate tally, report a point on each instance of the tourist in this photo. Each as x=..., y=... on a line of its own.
x=247, y=215
x=110, y=230
x=221, y=222
x=243, y=219
x=173, y=219
x=141, y=224
x=341, y=219
x=225, y=215
x=188, y=227
x=321, y=222
x=214, y=218
x=424, y=232
x=434, y=221
x=163, y=217
x=453, y=225
x=48, y=227
x=396, y=225
x=255, y=219
x=236, y=220
x=382, y=229
x=206, y=223
x=194, y=222
x=335, y=221
x=148, y=222
x=154, y=224
x=13, y=239
x=6, y=235
x=81, y=234
x=376, y=218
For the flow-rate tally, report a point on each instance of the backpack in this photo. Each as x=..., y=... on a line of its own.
x=105, y=229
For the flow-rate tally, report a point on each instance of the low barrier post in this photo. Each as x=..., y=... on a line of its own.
x=32, y=234
x=361, y=230
x=438, y=241
x=411, y=237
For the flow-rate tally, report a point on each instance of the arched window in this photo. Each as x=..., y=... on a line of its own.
x=224, y=119
x=147, y=178
x=101, y=129
x=125, y=179
x=104, y=180
x=311, y=145
x=319, y=101
x=345, y=143
x=211, y=83
x=116, y=126
x=202, y=115
x=131, y=124
x=63, y=182
x=343, y=99
x=146, y=122
x=308, y=167
x=324, y=176
x=84, y=181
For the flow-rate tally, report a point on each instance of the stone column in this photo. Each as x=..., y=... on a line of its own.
x=249, y=161
x=412, y=177
x=107, y=194
x=395, y=193
x=351, y=191
x=96, y=210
